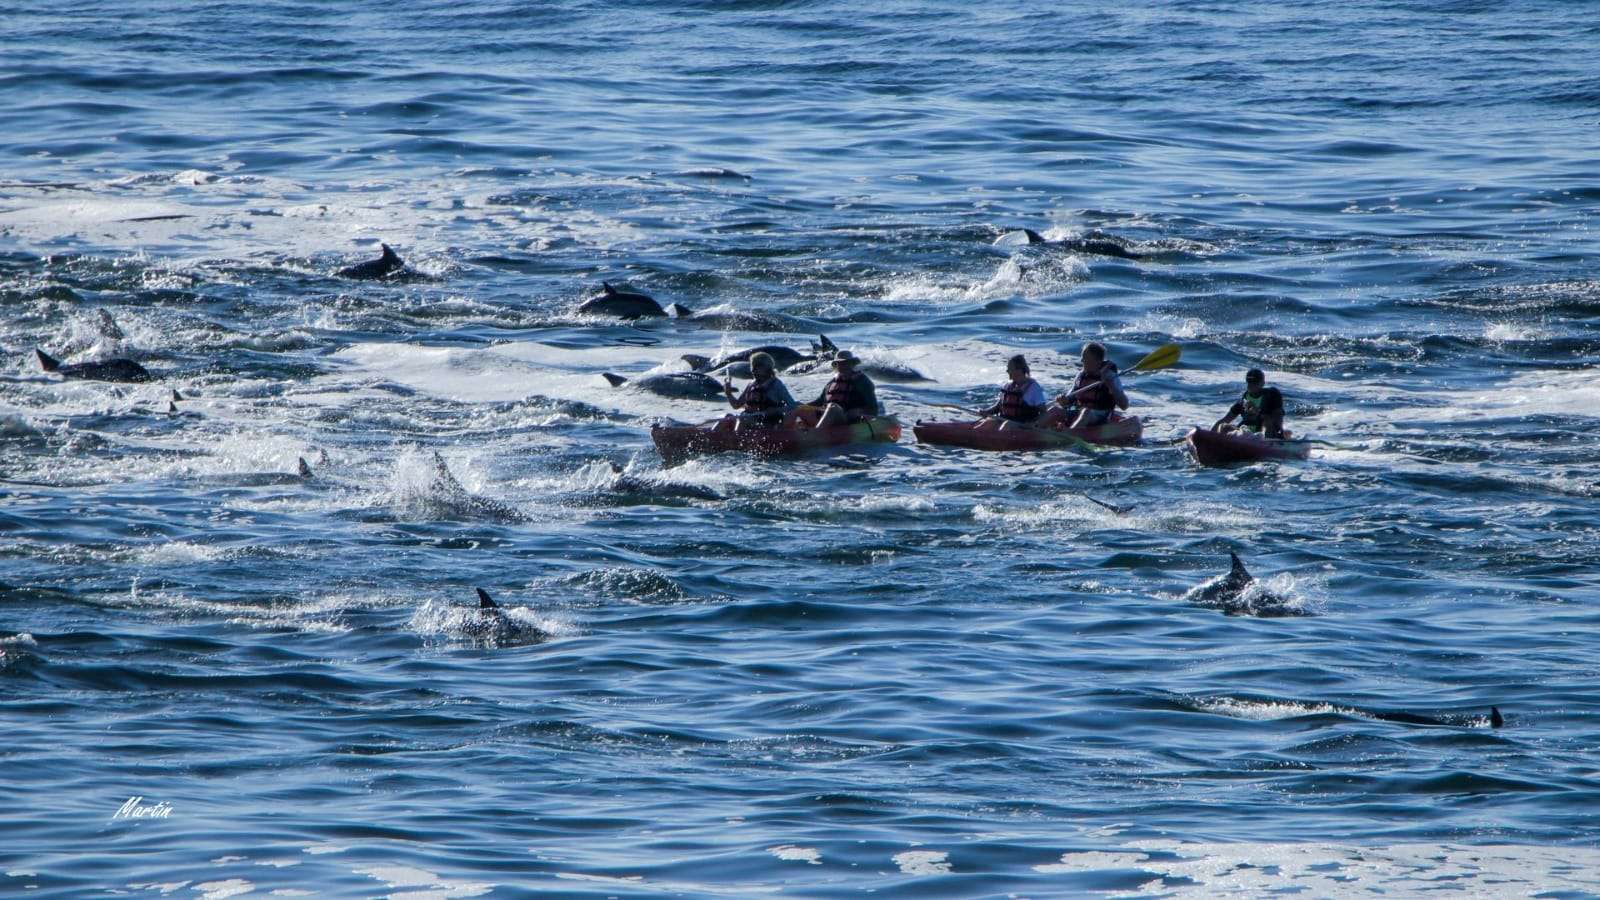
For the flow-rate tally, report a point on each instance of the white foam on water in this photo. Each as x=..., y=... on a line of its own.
x=457, y=621
x=922, y=862
x=432, y=886
x=1331, y=870
x=220, y=890
x=1052, y=274
x=791, y=853
x=1264, y=711
x=688, y=887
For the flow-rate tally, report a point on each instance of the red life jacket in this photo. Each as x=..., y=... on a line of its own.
x=1011, y=405
x=754, y=398
x=838, y=390
x=1100, y=398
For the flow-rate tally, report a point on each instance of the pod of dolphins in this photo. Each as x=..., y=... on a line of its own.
x=1236, y=592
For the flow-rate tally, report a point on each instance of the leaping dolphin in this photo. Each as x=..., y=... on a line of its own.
x=1237, y=593
x=628, y=305
x=382, y=267
x=489, y=623
x=125, y=371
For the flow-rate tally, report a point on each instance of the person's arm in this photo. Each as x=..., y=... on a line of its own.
x=779, y=393
x=1033, y=398
x=1233, y=412
x=1113, y=383
x=990, y=410
x=869, y=397
x=1272, y=414
x=727, y=391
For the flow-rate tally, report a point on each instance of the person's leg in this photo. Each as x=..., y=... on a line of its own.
x=989, y=423
x=804, y=416
x=728, y=423
x=1053, y=417
x=1091, y=417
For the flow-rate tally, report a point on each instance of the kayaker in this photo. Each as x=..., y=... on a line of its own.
x=1259, y=411
x=849, y=398
x=1095, y=394
x=765, y=400
x=1022, y=400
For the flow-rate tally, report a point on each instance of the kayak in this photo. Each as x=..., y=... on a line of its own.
x=1119, y=432
x=677, y=443
x=1211, y=448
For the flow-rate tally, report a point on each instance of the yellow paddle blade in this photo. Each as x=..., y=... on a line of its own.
x=1159, y=358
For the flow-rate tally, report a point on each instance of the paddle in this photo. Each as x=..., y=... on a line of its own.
x=1160, y=358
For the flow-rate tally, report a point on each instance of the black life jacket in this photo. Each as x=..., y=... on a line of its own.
x=1100, y=398
x=1250, y=409
x=838, y=390
x=1011, y=405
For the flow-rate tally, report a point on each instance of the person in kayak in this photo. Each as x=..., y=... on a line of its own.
x=1094, y=396
x=1259, y=410
x=765, y=400
x=1022, y=400
x=849, y=398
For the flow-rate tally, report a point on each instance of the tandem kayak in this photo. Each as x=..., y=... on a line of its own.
x=677, y=443
x=1117, y=432
x=1212, y=448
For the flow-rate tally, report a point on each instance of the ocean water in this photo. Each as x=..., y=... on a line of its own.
x=905, y=670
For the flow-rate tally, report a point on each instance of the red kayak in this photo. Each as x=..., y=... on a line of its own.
x=1213, y=448
x=1121, y=432
x=677, y=443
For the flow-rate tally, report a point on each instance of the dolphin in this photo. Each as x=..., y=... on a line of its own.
x=1495, y=720
x=453, y=493
x=382, y=267
x=125, y=371
x=673, y=385
x=1237, y=593
x=782, y=357
x=628, y=305
x=895, y=373
x=490, y=624
x=1098, y=244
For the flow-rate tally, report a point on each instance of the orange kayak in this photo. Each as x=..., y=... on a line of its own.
x=1211, y=448
x=677, y=443
x=1119, y=432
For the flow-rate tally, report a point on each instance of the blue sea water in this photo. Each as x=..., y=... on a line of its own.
x=907, y=670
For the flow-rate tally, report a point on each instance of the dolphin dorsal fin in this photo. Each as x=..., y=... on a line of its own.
x=46, y=361
x=389, y=254
x=304, y=468
x=1034, y=237
x=176, y=396
x=616, y=380
x=485, y=601
x=1238, y=570
x=606, y=286
x=827, y=344
x=1495, y=719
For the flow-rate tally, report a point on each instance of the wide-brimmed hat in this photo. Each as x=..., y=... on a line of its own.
x=845, y=356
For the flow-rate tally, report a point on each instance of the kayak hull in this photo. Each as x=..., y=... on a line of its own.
x=677, y=443
x=1117, y=433
x=1211, y=448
